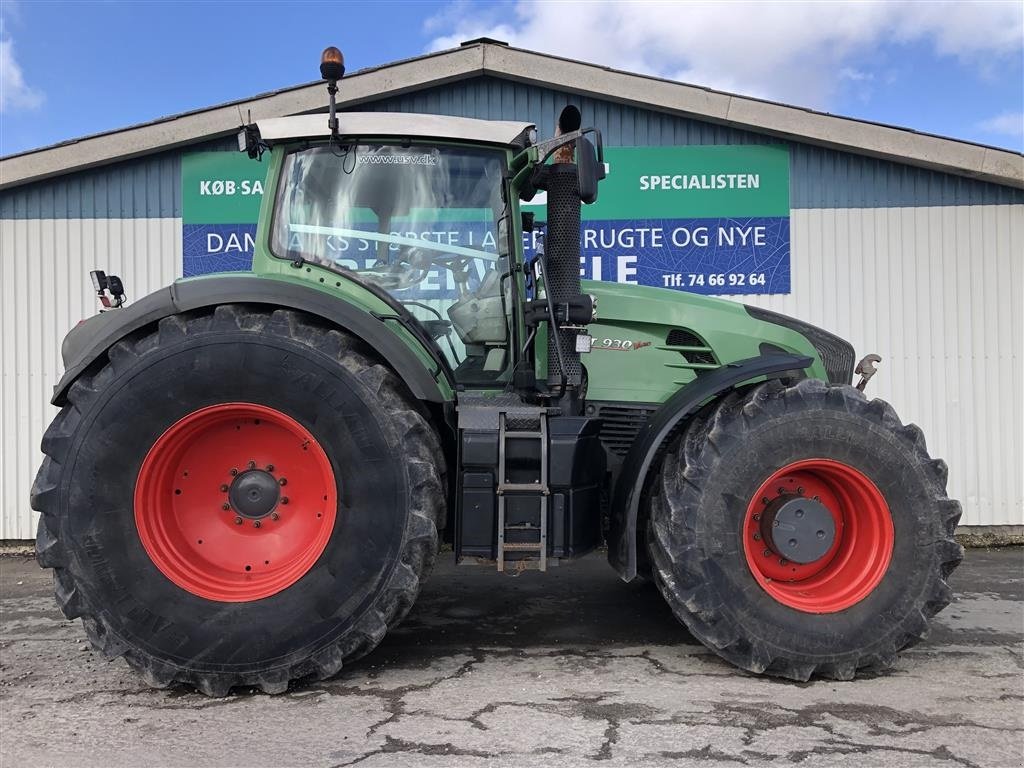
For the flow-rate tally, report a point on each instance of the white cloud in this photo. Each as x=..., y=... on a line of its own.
x=855, y=75
x=15, y=93
x=799, y=52
x=1006, y=124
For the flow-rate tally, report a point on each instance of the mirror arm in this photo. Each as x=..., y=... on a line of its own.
x=548, y=147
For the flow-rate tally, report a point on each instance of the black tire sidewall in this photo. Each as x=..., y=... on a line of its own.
x=729, y=476
x=130, y=596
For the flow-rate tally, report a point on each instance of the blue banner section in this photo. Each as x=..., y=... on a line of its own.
x=708, y=256
x=210, y=248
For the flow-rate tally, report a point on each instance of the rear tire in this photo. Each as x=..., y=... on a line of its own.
x=121, y=508
x=854, y=607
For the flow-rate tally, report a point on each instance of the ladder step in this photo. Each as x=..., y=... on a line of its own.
x=532, y=435
x=523, y=488
x=523, y=527
x=522, y=546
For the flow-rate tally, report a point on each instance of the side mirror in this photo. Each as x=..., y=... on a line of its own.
x=590, y=167
x=589, y=161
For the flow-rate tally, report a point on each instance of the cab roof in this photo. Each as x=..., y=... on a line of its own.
x=398, y=124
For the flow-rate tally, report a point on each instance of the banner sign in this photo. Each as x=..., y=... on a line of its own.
x=706, y=219
x=221, y=193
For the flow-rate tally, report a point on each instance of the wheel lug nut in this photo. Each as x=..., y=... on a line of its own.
x=800, y=490
x=756, y=518
x=284, y=499
x=238, y=521
x=270, y=467
x=274, y=516
x=780, y=489
x=283, y=481
x=767, y=553
x=783, y=561
x=225, y=506
x=764, y=499
x=757, y=537
x=816, y=498
x=256, y=524
x=224, y=488
x=252, y=464
x=233, y=472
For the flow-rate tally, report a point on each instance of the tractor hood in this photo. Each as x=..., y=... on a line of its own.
x=650, y=341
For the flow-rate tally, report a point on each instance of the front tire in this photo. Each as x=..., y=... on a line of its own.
x=239, y=497
x=863, y=579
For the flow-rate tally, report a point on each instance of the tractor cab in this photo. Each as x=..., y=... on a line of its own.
x=424, y=222
x=427, y=212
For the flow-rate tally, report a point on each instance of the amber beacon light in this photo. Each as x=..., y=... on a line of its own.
x=332, y=64
x=332, y=68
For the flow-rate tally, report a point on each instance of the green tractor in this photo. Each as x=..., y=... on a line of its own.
x=251, y=474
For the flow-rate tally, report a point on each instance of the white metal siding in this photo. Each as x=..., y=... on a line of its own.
x=45, y=291
x=938, y=293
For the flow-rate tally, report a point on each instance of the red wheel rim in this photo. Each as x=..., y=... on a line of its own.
x=859, y=554
x=235, y=502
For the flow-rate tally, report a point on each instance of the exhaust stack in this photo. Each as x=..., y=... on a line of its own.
x=562, y=248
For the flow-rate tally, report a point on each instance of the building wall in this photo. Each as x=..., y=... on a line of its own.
x=926, y=269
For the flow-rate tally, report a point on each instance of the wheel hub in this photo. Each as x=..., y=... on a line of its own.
x=818, y=535
x=235, y=502
x=799, y=529
x=254, y=494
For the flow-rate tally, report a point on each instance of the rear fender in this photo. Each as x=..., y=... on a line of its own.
x=90, y=341
x=622, y=534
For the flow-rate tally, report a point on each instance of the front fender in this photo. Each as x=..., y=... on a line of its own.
x=622, y=534
x=91, y=339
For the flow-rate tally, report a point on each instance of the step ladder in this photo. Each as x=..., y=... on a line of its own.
x=540, y=490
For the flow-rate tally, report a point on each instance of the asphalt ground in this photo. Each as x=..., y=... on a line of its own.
x=568, y=668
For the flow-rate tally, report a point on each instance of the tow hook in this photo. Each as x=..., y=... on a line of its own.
x=866, y=369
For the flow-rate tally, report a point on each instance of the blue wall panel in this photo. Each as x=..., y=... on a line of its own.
x=146, y=187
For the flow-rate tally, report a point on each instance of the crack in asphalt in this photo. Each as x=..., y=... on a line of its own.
x=851, y=747
x=392, y=745
x=706, y=752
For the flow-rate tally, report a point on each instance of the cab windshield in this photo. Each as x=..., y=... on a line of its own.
x=427, y=224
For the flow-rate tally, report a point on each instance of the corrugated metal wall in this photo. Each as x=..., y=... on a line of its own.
x=925, y=268
x=45, y=292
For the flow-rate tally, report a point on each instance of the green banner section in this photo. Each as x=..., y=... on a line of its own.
x=643, y=183
x=221, y=188
x=693, y=182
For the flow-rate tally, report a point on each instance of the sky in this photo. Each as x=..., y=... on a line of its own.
x=68, y=69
